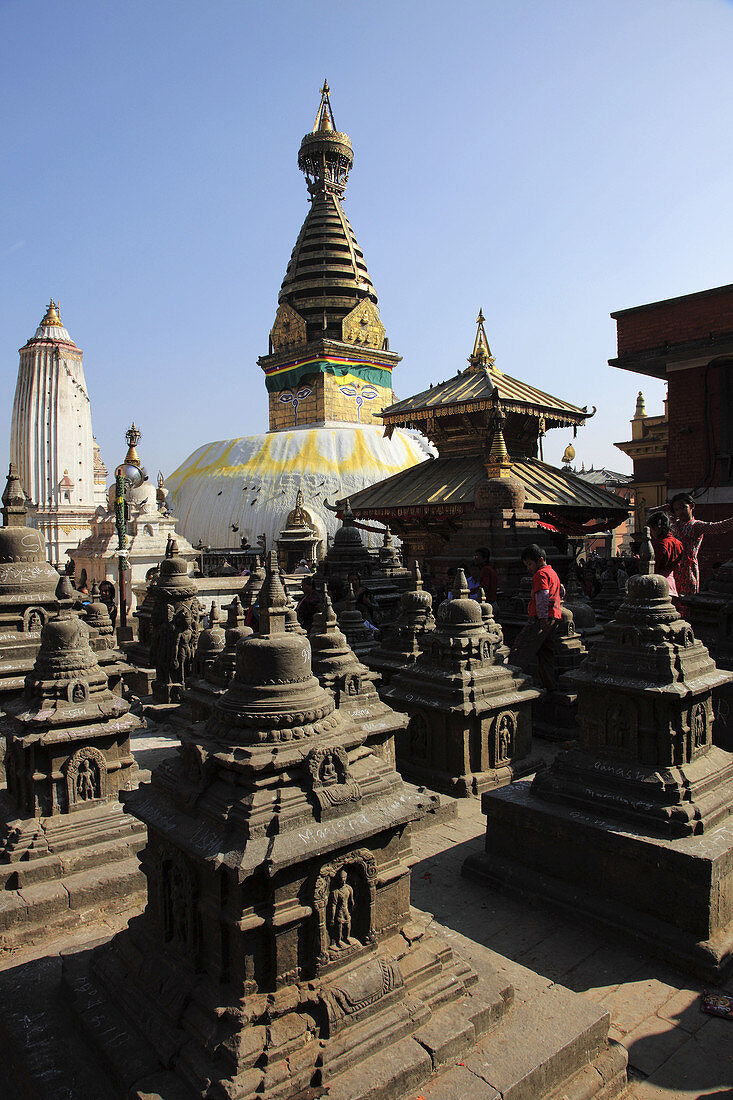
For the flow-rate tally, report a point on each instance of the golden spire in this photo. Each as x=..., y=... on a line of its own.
x=52, y=316
x=498, y=464
x=481, y=357
x=640, y=413
x=324, y=116
x=133, y=437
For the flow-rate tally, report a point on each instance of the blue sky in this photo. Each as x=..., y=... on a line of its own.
x=546, y=160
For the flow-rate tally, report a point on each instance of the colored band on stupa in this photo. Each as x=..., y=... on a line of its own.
x=289, y=374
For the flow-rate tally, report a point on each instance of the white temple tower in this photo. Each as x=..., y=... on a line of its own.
x=51, y=439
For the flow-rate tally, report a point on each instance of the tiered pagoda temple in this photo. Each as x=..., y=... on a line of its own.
x=426, y=504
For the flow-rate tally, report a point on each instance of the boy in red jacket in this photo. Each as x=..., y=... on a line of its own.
x=544, y=609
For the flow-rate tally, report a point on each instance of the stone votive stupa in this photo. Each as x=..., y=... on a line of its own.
x=584, y=617
x=710, y=614
x=470, y=718
x=352, y=683
x=102, y=640
x=298, y=539
x=203, y=690
x=358, y=635
x=66, y=846
x=555, y=714
x=632, y=827
x=347, y=554
x=401, y=641
x=278, y=952
x=27, y=589
x=175, y=628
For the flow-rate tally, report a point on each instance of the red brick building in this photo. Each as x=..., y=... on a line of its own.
x=688, y=342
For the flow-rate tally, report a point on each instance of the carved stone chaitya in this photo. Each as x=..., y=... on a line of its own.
x=383, y=578
x=358, y=635
x=555, y=714
x=210, y=644
x=634, y=825
x=470, y=718
x=68, y=757
x=609, y=599
x=584, y=617
x=710, y=613
x=352, y=684
x=102, y=641
x=27, y=589
x=203, y=689
x=277, y=951
x=175, y=628
x=401, y=641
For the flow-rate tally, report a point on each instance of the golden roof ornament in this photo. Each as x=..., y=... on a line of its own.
x=568, y=455
x=53, y=315
x=498, y=464
x=640, y=413
x=481, y=357
x=324, y=115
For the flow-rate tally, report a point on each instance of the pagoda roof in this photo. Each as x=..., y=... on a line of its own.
x=448, y=486
x=485, y=386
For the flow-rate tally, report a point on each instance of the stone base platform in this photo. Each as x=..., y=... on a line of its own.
x=675, y=896
x=475, y=783
x=435, y=809
x=553, y=1045
x=55, y=872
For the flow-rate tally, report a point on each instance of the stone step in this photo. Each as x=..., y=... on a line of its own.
x=51, y=906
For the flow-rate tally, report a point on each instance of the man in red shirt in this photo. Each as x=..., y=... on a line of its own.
x=488, y=577
x=544, y=610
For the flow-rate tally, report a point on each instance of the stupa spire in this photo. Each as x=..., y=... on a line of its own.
x=325, y=155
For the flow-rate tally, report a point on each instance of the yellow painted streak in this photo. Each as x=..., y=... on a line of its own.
x=306, y=458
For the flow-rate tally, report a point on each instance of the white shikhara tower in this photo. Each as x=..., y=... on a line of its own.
x=51, y=439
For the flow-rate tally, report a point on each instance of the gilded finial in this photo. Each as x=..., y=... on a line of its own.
x=498, y=464
x=481, y=357
x=324, y=116
x=132, y=437
x=52, y=315
x=640, y=413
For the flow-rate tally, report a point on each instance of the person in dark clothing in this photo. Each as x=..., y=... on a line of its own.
x=488, y=577
x=308, y=604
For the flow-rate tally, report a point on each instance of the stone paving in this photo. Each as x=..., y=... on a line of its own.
x=675, y=1051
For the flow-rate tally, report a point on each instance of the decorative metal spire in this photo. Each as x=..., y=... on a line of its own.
x=132, y=437
x=640, y=413
x=481, y=357
x=52, y=315
x=498, y=464
x=325, y=155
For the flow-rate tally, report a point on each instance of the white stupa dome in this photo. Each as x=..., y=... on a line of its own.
x=251, y=483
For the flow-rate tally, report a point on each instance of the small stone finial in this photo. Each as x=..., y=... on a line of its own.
x=168, y=547
x=416, y=577
x=214, y=614
x=347, y=516
x=646, y=553
x=460, y=586
x=640, y=413
x=64, y=594
x=273, y=600
x=14, y=508
x=94, y=592
x=174, y=548
x=52, y=315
